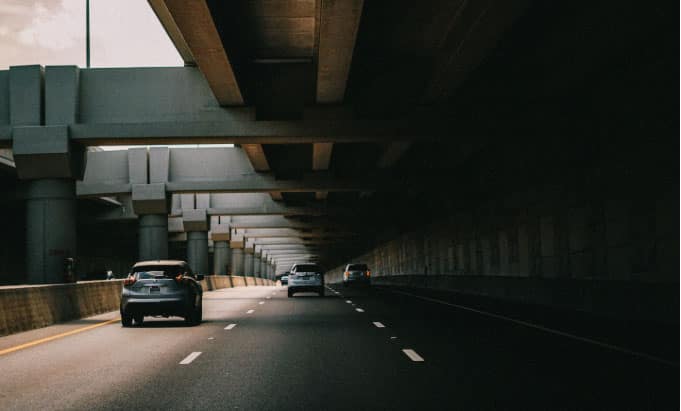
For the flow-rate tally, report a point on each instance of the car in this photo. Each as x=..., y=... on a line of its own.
x=284, y=279
x=306, y=277
x=356, y=274
x=161, y=288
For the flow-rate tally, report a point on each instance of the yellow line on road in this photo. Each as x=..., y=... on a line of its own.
x=55, y=337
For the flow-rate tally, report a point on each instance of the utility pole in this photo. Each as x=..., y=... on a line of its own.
x=87, y=33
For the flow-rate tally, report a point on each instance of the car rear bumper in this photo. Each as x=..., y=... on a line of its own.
x=178, y=306
x=304, y=288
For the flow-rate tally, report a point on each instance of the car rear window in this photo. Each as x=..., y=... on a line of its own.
x=156, y=271
x=308, y=268
x=357, y=267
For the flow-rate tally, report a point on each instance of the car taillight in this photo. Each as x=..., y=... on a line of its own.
x=179, y=278
x=130, y=280
x=368, y=273
x=347, y=274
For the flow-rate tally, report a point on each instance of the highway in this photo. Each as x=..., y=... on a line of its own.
x=354, y=349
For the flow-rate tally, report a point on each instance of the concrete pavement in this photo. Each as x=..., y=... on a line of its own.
x=353, y=349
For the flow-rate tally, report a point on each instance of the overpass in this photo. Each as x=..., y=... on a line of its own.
x=507, y=169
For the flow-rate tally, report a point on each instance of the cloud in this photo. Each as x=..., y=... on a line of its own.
x=55, y=30
x=124, y=33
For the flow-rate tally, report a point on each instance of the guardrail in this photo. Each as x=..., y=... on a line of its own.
x=26, y=307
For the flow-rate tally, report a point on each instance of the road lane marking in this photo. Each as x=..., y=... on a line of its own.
x=191, y=357
x=211, y=338
x=348, y=301
x=261, y=302
x=412, y=355
x=359, y=310
x=229, y=327
x=545, y=329
x=393, y=338
x=250, y=311
x=268, y=297
x=378, y=324
x=56, y=337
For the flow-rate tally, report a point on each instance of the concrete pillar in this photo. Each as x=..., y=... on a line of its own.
x=221, y=256
x=237, y=261
x=153, y=237
x=197, y=251
x=256, y=267
x=248, y=264
x=50, y=228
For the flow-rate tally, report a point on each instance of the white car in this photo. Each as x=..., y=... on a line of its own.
x=306, y=277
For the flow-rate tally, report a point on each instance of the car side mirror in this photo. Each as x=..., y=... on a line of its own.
x=199, y=277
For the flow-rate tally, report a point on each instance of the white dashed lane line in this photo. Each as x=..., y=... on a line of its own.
x=378, y=324
x=229, y=327
x=412, y=355
x=191, y=357
x=250, y=311
x=359, y=310
x=261, y=302
x=348, y=301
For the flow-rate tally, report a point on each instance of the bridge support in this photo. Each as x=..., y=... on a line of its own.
x=50, y=229
x=237, y=261
x=248, y=264
x=197, y=251
x=153, y=237
x=221, y=256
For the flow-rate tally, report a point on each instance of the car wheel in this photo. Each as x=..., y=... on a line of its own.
x=195, y=315
x=139, y=319
x=290, y=294
x=321, y=292
x=345, y=284
x=126, y=319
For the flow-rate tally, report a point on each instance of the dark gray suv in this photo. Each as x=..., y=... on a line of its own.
x=161, y=288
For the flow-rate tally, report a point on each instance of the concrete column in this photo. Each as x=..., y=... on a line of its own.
x=50, y=228
x=153, y=237
x=237, y=261
x=248, y=264
x=256, y=266
x=197, y=251
x=221, y=256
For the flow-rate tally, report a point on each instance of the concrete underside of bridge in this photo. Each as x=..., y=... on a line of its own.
x=522, y=150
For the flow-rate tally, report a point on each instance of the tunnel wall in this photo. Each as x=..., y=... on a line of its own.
x=609, y=249
x=29, y=307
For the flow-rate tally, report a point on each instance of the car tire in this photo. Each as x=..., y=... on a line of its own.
x=321, y=292
x=194, y=316
x=139, y=319
x=345, y=284
x=126, y=319
x=290, y=294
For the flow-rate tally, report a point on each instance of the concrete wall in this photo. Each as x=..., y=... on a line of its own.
x=28, y=307
x=602, y=240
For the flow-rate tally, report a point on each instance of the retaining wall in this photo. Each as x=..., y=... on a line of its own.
x=33, y=306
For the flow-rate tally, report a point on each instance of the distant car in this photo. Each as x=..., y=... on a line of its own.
x=306, y=277
x=284, y=279
x=356, y=274
x=164, y=288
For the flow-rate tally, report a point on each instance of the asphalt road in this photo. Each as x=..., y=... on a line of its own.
x=345, y=351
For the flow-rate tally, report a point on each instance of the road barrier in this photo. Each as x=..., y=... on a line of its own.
x=26, y=307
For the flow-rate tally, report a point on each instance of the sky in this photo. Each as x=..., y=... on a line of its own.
x=124, y=33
